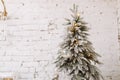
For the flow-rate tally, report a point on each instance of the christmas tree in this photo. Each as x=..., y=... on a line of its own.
x=77, y=56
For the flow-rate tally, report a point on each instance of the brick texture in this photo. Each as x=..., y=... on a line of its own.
x=30, y=38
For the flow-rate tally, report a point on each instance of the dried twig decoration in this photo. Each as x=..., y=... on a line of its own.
x=3, y=14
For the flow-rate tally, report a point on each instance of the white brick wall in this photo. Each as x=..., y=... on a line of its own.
x=30, y=38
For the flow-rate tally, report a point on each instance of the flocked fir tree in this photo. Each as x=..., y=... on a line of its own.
x=77, y=56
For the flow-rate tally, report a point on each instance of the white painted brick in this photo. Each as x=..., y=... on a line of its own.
x=1, y=64
x=30, y=38
x=22, y=58
x=8, y=69
x=5, y=58
x=30, y=64
x=2, y=35
x=10, y=66
x=43, y=56
x=2, y=52
x=26, y=76
x=26, y=70
x=17, y=53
